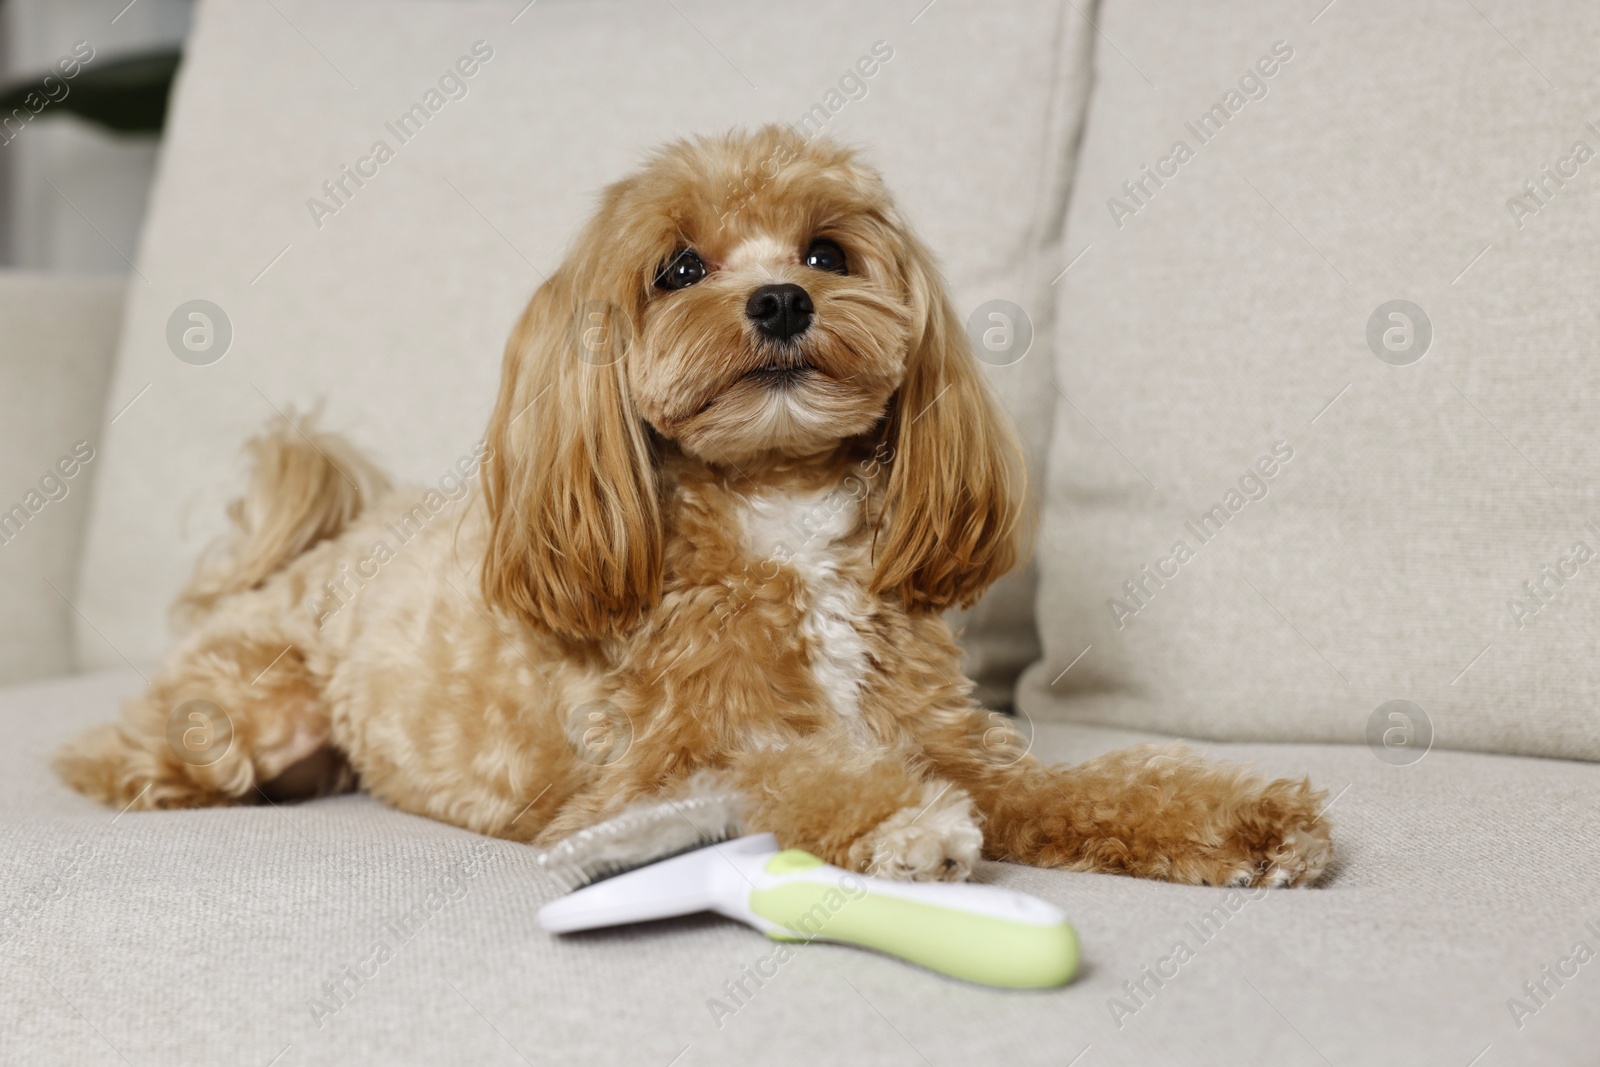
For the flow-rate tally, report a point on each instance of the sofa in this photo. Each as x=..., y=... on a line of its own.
x=1336, y=346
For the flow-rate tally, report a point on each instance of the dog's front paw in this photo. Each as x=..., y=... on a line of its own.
x=937, y=839
x=1271, y=839
x=1168, y=813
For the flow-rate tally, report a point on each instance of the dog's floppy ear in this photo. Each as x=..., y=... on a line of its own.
x=952, y=509
x=575, y=537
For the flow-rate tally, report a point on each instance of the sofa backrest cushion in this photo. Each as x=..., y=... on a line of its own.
x=57, y=337
x=1326, y=466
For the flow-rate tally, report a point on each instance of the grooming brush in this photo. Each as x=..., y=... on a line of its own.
x=979, y=933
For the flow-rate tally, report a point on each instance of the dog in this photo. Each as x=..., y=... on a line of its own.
x=741, y=462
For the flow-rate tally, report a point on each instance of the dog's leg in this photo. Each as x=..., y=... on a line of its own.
x=226, y=718
x=865, y=810
x=1152, y=811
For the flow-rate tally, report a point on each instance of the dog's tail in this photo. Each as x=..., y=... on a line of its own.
x=305, y=487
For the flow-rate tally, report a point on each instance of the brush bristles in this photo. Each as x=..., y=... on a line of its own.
x=642, y=834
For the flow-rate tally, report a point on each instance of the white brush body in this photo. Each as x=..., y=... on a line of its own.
x=722, y=877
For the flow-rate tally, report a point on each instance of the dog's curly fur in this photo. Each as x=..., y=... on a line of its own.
x=699, y=547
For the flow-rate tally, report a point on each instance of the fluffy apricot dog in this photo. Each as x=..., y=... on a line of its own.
x=741, y=461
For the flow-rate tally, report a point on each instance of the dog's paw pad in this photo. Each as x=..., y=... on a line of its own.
x=936, y=839
x=1300, y=859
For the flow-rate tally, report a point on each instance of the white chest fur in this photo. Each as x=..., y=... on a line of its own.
x=807, y=532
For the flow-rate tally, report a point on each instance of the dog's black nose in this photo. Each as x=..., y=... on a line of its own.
x=780, y=311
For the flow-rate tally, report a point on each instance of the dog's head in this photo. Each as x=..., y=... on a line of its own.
x=740, y=298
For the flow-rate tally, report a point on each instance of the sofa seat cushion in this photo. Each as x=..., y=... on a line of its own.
x=347, y=933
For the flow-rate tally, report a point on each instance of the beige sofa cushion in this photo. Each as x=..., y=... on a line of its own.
x=1240, y=309
x=394, y=308
x=210, y=937
x=57, y=335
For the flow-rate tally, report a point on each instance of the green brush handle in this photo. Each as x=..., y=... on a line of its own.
x=979, y=933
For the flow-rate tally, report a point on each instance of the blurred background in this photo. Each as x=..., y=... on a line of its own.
x=75, y=175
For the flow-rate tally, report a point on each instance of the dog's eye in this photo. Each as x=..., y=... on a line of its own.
x=826, y=255
x=682, y=270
